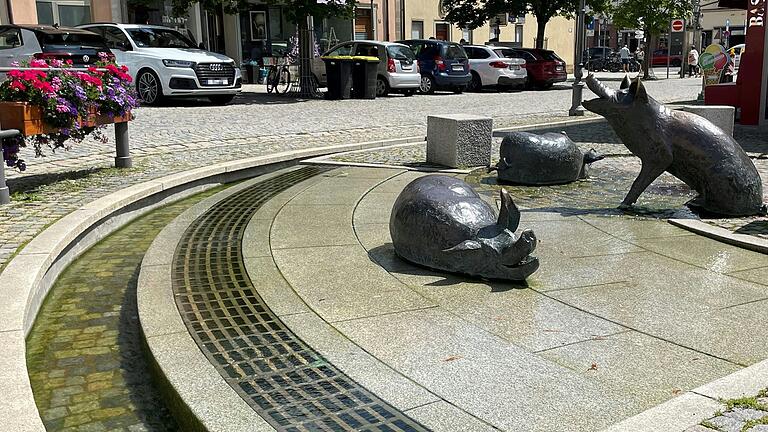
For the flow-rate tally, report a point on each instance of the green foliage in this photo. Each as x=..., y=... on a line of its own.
x=651, y=15
x=295, y=10
x=474, y=13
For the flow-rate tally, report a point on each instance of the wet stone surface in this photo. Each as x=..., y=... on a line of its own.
x=609, y=179
x=85, y=357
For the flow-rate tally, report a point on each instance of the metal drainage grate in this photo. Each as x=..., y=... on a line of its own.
x=286, y=381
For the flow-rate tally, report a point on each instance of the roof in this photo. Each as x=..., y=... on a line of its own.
x=128, y=26
x=50, y=29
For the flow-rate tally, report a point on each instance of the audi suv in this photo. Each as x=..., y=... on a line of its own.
x=165, y=63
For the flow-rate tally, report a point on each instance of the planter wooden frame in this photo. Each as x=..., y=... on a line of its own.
x=28, y=120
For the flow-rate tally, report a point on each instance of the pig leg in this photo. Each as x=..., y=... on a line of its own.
x=648, y=173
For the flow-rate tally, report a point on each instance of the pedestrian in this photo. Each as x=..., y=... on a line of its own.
x=640, y=56
x=463, y=41
x=624, y=54
x=693, y=62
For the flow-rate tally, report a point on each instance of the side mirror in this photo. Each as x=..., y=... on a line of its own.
x=201, y=46
x=124, y=46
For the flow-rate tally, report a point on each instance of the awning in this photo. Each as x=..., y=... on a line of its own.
x=733, y=4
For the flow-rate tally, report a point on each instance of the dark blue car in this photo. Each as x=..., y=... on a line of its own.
x=443, y=65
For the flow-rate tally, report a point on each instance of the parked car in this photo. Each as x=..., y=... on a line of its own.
x=659, y=58
x=23, y=42
x=165, y=63
x=544, y=67
x=735, y=53
x=597, y=53
x=397, y=65
x=443, y=65
x=489, y=68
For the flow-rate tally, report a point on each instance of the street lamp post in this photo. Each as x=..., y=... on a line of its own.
x=578, y=62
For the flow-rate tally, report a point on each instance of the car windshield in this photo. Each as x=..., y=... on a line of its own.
x=51, y=40
x=454, y=51
x=399, y=52
x=159, y=38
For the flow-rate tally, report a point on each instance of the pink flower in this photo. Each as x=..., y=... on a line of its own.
x=18, y=85
x=38, y=63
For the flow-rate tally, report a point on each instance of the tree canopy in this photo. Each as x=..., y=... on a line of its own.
x=472, y=14
x=653, y=16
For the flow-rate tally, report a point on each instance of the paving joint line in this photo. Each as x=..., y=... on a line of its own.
x=594, y=338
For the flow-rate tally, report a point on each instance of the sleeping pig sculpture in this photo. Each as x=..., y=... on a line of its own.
x=548, y=159
x=439, y=222
x=683, y=144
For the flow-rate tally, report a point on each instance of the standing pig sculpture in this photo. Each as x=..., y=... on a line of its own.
x=440, y=222
x=548, y=159
x=686, y=145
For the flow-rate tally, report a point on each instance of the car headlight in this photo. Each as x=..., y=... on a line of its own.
x=179, y=63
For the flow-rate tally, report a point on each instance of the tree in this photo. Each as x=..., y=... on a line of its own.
x=653, y=16
x=472, y=14
x=297, y=12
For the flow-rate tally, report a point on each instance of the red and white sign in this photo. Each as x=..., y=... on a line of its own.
x=678, y=25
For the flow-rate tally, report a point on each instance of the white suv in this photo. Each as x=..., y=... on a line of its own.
x=164, y=62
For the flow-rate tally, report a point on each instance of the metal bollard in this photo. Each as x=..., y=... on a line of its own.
x=123, y=152
x=5, y=193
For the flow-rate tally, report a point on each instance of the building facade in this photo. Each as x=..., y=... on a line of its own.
x=263, y=30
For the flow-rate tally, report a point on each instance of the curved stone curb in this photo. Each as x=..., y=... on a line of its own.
x=698, y=404
x=745, y=241
x=27, y=278
x=191, y=385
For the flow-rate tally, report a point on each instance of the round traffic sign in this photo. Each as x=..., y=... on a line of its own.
x=678, y=25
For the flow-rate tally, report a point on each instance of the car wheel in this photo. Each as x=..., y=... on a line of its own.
x=427, y=85
x=221, y=99
x=149, y=88
x=382, y=87
x=475, y=85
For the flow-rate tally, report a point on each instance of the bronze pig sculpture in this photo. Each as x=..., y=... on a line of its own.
x=440, y=222
x=685, y=145
x=548, y=159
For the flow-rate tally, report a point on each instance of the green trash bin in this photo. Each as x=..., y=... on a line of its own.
x=338, y=72
x=364, y=73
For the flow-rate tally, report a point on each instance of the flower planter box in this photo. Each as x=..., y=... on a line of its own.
x=28, y=119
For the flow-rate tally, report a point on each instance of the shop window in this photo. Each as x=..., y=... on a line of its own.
x=45, y=13
x=417, y=29
x=466, y=34
x=66, y=13
x=363, y=24
x=442, y=31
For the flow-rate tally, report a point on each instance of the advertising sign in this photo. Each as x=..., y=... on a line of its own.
x=713, y=62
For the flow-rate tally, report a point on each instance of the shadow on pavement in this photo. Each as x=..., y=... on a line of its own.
x=29, y=183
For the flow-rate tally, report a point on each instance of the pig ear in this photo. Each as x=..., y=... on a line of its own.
x=637, y=89
x=509, y=215
x=625, y=83
x=465, y=245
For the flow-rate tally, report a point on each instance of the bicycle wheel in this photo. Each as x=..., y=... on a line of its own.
x=283, y=81
x=271, y=80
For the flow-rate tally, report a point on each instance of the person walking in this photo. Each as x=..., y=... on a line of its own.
x=624, y=54
x=693, y=62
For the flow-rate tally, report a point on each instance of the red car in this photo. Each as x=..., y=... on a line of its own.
x=659, y=58
x=544, y=67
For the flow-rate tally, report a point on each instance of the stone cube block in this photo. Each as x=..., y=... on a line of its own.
x=459, y=140
x=722, y=116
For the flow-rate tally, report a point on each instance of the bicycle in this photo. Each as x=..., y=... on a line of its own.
x=279, y=77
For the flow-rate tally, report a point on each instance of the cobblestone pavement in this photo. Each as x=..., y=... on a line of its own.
x=85, y=358
x=610, y=179
x=170, y=139
x=749, y=414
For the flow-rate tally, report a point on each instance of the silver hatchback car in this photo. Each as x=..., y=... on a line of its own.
x=398, y=70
